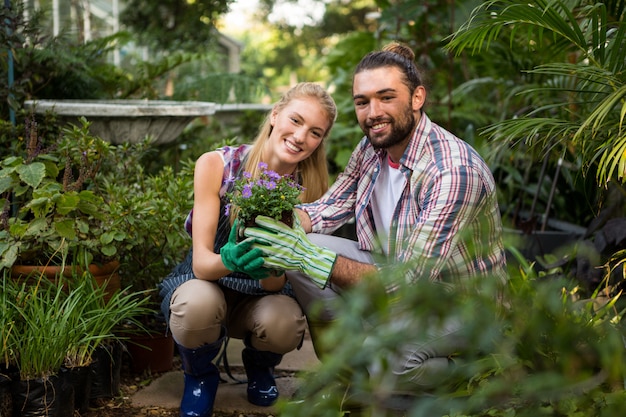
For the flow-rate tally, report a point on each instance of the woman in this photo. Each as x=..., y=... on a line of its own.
x=209, y=295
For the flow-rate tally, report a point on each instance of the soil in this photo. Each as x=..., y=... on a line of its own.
x=121, y=407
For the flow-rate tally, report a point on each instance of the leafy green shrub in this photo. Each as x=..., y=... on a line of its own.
x=151, y=208
x=51, y=210
x=534, y=350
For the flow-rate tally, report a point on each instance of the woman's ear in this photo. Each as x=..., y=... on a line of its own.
x=273, y=116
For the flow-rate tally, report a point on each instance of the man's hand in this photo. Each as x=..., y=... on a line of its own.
x=239, y=257
x=289, y=249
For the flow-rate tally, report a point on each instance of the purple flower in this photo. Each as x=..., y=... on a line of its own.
x=227, y=210
x=246, y=192
x=269, y=193
x=272, y=175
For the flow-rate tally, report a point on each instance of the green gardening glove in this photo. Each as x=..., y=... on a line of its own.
x=239, y=257
x=285, y=248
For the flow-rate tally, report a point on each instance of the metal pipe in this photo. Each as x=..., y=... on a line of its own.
x=542, y=174
x=551, y=196
x=56, y=20
x=11, y=80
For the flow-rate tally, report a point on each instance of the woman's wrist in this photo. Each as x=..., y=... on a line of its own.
x=274, y=282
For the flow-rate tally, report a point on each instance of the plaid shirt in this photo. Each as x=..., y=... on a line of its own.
x=447, y=221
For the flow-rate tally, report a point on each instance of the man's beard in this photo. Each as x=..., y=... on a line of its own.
x=400, y=129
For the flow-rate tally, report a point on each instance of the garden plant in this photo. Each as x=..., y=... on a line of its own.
x=543, y=85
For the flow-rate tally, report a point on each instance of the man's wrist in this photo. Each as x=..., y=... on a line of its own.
x=321, y=267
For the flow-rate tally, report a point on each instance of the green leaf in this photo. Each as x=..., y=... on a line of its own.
x=107, y=237
x=5, y=184
x=83, y=226
x=89, y=203
x=9, y=257
x=109, y=250
x=67, y=203
x=34, y=228
x=11, y=160
x=65, y=228
x=32, y=174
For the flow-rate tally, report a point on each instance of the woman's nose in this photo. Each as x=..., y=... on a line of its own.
x=298, y=135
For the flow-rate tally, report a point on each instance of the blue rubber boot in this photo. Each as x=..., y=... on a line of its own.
x=201, y=379
x=259, y=366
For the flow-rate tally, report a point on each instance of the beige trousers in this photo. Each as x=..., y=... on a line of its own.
x=199, y=309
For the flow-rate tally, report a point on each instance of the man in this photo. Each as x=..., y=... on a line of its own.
x=417, y=194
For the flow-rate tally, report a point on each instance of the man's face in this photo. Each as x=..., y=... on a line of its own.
x=385, y=109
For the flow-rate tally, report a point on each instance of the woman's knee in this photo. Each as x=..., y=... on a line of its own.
x=279, y=324
x=198, y=304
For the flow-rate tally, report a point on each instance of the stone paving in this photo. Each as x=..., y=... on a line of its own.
x=166, y=391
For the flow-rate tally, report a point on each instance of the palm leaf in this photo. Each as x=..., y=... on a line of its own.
x=488, y=20
x=580, y=100
x=613, y=161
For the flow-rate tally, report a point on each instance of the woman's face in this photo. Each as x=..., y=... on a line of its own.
x=298, y=130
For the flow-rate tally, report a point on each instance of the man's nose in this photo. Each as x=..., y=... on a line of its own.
x=375, y=109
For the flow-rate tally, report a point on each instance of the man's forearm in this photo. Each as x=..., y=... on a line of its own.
x=305, y=220
x=347, y=272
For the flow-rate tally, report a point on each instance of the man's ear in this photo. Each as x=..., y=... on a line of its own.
x=418, y=98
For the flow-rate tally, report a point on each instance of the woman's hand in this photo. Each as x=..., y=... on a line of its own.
x=241, y=257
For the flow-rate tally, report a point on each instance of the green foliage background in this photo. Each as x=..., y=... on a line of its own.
x=541, y=83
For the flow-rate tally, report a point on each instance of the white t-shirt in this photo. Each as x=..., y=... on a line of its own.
x=387, y=192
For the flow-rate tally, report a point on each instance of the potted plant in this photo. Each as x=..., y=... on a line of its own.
x=95, y=319
x=154, y=206
x=271, y=194
x=41, y=349
x=79, y=204
x=53, y=359
x=53, y=215
x=8, y=360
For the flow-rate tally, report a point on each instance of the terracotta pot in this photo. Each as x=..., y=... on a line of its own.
x=105, y=275
x=151, y=352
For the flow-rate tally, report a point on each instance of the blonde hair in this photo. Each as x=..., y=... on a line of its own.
x=313, y=171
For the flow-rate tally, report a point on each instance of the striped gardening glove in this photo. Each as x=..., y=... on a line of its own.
x=290, y=249
x=241, y=257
